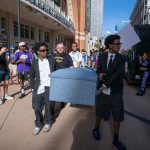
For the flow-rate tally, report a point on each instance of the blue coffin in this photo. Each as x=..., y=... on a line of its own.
x=73, y=85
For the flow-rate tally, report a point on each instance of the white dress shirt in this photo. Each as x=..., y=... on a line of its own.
x=108, y=59
x=44, y=70
x=107, y=91
x=76, y=57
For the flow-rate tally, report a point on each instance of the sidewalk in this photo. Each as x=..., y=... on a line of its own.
x=72, y=129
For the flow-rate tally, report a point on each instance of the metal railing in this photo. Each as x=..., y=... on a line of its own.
x=51, y=11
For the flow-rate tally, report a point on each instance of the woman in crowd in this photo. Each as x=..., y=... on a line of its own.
x=144, y=64
x=4, y=74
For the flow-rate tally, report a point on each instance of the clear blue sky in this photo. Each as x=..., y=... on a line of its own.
x=116, y=11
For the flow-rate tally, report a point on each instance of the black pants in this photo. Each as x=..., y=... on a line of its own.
x=38, y=103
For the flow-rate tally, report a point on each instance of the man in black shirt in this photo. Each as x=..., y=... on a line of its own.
x=62, y=60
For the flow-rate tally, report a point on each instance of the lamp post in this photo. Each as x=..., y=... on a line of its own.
x=18, y=8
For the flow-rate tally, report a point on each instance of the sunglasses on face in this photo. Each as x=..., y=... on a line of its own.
x=23, y=46
x=43, y=50
x=116, y=43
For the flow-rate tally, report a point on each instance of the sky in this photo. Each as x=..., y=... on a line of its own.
x=115, y=12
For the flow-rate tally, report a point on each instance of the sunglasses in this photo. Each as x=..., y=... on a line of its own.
x=116, y=43
x=59, y=47
x=23, y=46
x=44, y=50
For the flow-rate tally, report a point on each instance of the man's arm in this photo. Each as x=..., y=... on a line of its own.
x=70, y=61
x=53, y=63
x=79, y=60
x=17, y=61
x=32, y=75
x=99, y=67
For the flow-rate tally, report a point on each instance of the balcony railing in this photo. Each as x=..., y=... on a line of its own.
x=52, y=12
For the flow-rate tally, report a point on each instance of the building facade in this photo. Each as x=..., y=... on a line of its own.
x=40, y=20
x=141, y=13
x=77, y=13
x=97, y=18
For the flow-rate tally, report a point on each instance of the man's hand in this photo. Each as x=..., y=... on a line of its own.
x=22, y=61
x=101, y=88
x=101, y=76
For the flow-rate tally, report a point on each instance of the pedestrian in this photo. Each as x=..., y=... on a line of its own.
x=4, y=74
x=93, y=58
x=144, y=64
x=84, y=58
x=41, y=68
x=76, y=55
x=12, y=65
x=110, y=98
x=23, y=60
x=62, y=60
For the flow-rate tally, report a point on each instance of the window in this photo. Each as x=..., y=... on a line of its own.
x=22, y=30
x=32, y=33
x=15, y=29
x=27, y=32
x=57, y=2
x=46, y=36
x=39, y=35
x=3, y=25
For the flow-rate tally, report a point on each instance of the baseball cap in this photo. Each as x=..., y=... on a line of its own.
x=22, y=43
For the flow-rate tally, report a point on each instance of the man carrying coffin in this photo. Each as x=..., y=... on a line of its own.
x=40, y=83
x=110, y=99
x=62, y=60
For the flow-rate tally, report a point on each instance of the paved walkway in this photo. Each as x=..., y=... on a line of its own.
x=72, y=129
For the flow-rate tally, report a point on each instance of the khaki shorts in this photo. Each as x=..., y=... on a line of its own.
x=13, y=68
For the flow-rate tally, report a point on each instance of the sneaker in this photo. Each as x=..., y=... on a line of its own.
x=119, y=145
x=7, y=97
x=140, y=93
x=47, y=127
x=36, y=130
x=21, y=96
x=1, y=101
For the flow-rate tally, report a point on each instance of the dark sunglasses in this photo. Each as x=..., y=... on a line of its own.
x=116, y=43
x=44, y=50
x=23, y=46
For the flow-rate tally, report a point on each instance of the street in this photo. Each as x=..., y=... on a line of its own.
x=72, y=129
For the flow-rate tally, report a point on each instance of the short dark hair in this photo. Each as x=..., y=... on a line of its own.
x=110, y=39
x=75, y=43
x=38, y=45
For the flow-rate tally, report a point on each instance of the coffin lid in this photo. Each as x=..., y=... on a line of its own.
x=75, y=74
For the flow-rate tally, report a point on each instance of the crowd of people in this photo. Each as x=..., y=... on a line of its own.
x=16, y=62
x=36, y=64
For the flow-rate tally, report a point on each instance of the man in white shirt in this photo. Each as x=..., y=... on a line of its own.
x=76, y=55
x=40, y=84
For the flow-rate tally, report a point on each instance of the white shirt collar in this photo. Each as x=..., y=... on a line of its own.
x=110, y=54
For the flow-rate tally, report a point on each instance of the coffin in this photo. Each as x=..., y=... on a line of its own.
x=73, y=85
